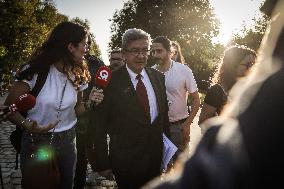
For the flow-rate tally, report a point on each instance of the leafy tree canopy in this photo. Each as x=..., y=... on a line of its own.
x=190, y=22
x=252, y=36
x=24, y=25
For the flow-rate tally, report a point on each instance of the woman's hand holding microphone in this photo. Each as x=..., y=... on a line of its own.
x=96, y=96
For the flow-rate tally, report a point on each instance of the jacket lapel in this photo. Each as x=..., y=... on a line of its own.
x=127, y=87
x=129, y=93
x=126, y=84
x=156, y=87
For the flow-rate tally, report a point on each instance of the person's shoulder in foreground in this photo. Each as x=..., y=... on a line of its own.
x=241, y=148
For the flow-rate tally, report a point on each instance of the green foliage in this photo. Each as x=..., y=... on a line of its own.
x=190, y=22
x=3, y=51
x=94, y=49
x=84, y=23
x=252, y=37
x=23, y=26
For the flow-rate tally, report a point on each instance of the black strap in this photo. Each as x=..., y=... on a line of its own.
x=41, y=78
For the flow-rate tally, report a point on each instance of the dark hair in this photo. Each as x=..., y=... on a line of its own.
x=55, y=49
x=180, y=57
x=116, y=50
x=226, y=72
x=90, y=40
x=164, y=41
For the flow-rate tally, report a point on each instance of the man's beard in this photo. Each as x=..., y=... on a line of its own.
x=157, y=60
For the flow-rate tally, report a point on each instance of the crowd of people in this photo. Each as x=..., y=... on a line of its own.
x=120, y=130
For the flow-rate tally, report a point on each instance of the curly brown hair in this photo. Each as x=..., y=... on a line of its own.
x=226, y=71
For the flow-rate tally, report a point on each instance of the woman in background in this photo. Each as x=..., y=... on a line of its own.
x=177, y=55
x=236, y=63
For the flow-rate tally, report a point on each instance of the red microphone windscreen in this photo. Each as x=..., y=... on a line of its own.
x=103, y=77
x=25, y=102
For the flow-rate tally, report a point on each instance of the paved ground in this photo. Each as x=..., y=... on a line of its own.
x=12, y=177
x=7, y=155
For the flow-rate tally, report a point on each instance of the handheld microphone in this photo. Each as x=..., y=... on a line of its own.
x=22, y=104
x=103, y=77
x=25, y=102
x=8, y=109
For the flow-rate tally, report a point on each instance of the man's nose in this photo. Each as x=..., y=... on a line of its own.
x=141, y=54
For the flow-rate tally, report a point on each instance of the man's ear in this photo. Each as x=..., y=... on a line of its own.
x=70, y=47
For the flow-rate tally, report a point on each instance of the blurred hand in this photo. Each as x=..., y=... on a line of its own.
x=107, y=173
x=186, y=133
x=96, y=95
x=33, y=127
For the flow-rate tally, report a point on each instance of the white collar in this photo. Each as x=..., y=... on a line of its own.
x=133, y=74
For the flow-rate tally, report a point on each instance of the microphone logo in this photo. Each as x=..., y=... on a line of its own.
x=23, y=97
x=103, y=75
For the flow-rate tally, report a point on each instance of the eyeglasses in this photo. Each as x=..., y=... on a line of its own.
x=136, y=52
x=117, y=59
x=248, y=64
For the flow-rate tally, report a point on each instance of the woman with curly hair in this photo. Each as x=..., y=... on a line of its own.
x=60, y=60
x=235, y=64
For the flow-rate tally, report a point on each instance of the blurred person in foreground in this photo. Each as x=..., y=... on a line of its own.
x=115, y=60
x=242, y=148
x=235, y=64
x=134, y=113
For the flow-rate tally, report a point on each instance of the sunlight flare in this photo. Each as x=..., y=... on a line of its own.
x=233, y=14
